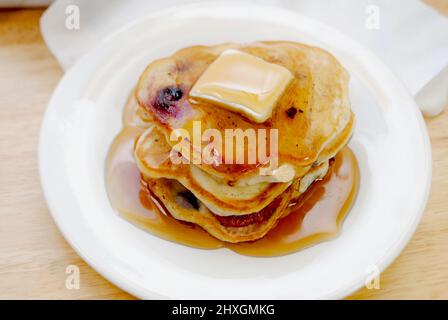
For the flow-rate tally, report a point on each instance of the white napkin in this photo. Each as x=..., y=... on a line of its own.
x=408, y=35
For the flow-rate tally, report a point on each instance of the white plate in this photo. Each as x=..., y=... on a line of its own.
x=390, y=142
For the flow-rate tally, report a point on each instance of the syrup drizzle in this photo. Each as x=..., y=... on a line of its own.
x=316, y=216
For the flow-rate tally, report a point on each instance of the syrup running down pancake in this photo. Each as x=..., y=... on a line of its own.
x=301, y=92
x=318, y=93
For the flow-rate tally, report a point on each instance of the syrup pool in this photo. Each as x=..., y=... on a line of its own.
x=317, y=216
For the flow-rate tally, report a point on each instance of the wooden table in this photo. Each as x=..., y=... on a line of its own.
x=33, y=253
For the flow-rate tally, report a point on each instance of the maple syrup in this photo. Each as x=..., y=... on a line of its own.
x=316, y=216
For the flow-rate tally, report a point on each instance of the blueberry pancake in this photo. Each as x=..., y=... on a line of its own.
x=298, y=90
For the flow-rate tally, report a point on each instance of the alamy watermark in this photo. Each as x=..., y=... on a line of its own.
x=373, y=279
x=372, y=21
x=72, y=17
x=237, y=146
x=73, y=280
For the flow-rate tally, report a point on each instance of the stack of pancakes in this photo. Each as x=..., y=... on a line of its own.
x=233, y=202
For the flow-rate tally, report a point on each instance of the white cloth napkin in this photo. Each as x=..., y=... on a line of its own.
x=408, y=35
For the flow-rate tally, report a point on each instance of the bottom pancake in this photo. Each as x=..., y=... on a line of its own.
x=177, y=201
x=182, y=205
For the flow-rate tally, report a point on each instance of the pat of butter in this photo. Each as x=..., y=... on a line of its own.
x=243, y=83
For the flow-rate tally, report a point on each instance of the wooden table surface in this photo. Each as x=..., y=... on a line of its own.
x=33, y=253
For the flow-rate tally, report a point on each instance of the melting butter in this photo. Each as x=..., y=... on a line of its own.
x=243, y=83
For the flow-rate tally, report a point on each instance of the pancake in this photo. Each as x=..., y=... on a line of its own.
x=135, y=115
x=311, y=114
x=152, y=157
x=173, y=197
x=235, y=202
x=182, y=205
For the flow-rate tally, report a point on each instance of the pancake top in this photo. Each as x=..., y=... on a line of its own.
x=310, y=113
